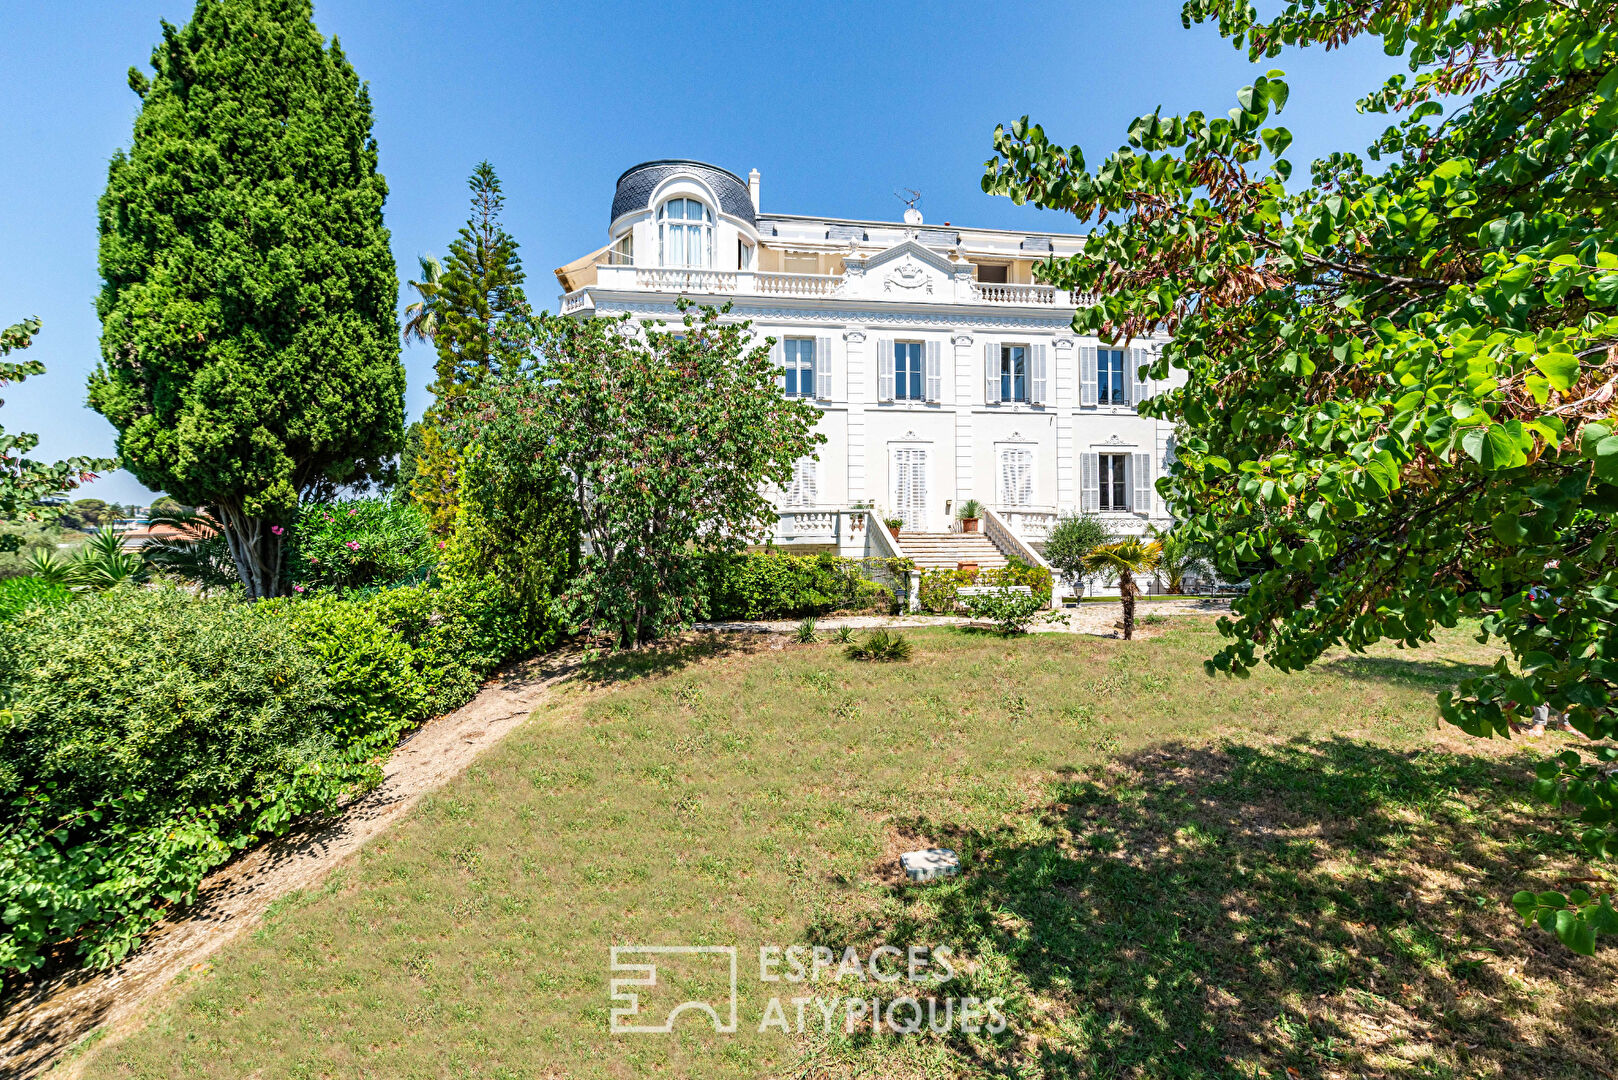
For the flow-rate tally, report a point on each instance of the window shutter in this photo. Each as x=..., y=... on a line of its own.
x=935, y=372
x=1036, y=380
x=991, y=372
x=1139, y=384
x=1143, y=484
x=884, y=370
x=1087, y=375
x=1090, y=480
x=823, y=368
x=778, y=357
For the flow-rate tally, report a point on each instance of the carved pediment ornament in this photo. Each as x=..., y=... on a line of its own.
x=909, y=275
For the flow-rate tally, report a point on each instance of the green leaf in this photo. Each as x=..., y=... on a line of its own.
x=1561, y=369
x=1606, y=457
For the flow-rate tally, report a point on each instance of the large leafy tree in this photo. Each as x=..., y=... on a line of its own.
x=250, y=350
x=663, y=442
x=1399, y=397
x=478, y=309
x=23, y=481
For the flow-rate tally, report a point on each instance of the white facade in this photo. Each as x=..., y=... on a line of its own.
x=942, y=370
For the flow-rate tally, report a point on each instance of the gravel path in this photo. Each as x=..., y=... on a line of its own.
x=1095, y=618
x=40, y=1021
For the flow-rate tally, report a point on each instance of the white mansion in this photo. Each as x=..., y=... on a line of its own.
x=942, y=370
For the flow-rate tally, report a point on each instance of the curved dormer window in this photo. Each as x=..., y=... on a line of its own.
x=685, y=233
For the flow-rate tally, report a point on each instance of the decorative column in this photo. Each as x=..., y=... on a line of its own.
x=968, y=381
x=858, y=394
x=1067, y=400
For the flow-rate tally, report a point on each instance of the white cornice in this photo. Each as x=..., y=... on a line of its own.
x=939, y=316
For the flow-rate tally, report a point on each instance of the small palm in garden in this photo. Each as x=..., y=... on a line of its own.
x=881, y=647
x=1125, y=559
x=805, y=634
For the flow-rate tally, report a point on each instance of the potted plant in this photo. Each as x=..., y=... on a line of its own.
x=969, y=513
x=894, y=524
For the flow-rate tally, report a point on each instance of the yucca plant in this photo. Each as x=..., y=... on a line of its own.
x=48, y=566
x=102, y=563
x=880, y=646
x=842, y=635
x=805, y=634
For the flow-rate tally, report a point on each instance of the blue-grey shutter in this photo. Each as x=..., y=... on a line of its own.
x=991, y=373
x=1037, y=383
x=1087, y=375
x=1090, y=483
x=884, y=369
x=1143, y=484
x=823, y=368
x=935, y=372
x=1139, y=384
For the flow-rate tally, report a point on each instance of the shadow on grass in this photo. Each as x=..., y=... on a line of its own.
x=664, y=658
x=1313, y=909
x=1425, y=674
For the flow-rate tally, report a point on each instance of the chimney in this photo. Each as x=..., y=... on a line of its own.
x=752, y=188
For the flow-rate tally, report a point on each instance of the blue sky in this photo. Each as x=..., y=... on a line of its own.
x=836, y=104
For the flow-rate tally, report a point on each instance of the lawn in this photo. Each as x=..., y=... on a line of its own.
x=1166, y=875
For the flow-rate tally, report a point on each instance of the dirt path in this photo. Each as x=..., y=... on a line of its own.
x=42, y=1021
x=1089, y=618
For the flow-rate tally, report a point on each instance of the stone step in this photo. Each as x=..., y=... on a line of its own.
x=934, y=551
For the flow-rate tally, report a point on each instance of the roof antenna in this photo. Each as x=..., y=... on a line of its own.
x=910, y=197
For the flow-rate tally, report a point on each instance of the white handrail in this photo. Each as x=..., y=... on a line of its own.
x=1013, y=546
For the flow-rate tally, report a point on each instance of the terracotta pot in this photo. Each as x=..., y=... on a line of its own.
x=969, y=525
x=967, y=567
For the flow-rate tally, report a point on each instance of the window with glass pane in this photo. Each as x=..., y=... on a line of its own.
x=1114, y=483
x=1014, y=373
x=800, y=367
x=685, y=229
x=1110, y=386
x=908, y=378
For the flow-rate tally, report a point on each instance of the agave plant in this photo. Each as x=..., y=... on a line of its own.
x=805, y=634
x=48, y=566
x=102, y=563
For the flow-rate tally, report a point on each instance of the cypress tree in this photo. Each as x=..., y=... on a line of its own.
x=478, y=292
x=250, y=347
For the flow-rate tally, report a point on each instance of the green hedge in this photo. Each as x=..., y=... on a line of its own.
x=940, y=589
x=147, y=735
x=20, y=594
x=774, y=585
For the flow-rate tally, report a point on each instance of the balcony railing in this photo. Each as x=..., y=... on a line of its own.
x=797, y=284
x=961, y=289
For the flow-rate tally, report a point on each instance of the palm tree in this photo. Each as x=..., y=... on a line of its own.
x=1126, y=558
x=1182, y=558
x=421, y=318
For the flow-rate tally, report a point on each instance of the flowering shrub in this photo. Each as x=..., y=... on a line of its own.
x=361, y=542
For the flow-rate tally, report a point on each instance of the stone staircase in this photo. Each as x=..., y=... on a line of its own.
x=935, y=551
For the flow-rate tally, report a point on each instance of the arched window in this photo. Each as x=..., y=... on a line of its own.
x=685, y=233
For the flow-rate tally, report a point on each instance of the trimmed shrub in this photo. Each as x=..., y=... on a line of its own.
x=148, y=735
x=358, y=543
x=20, y=594
x=1011, y=612
x=940, y=589
x=772, y=584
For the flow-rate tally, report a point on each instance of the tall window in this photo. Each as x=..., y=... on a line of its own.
x=1014, y=373
x=744, y=255
x=1114, y=482
x=623, y=251
x=1110, y=386
x=909, y=379
x=800, y=367
x=685, y=230
x=1016, y=477
x=801, y=491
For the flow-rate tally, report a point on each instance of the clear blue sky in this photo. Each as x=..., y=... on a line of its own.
x=836, y=104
